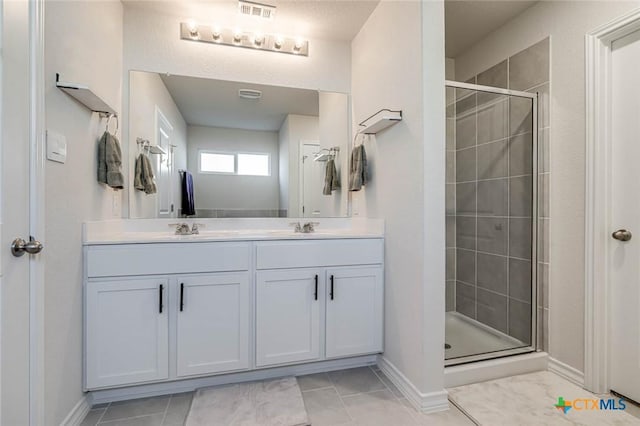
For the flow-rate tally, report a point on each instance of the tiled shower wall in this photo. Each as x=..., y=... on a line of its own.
x=489, y=195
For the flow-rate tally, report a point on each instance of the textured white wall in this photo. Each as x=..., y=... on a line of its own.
x=433, y=178
x=147, y=92
x=152, y=43
x=567, y=23
x=83, y=42
x=283, y=166
x=216, y=191
x=294, y=129
x=334, y=122
x=397, y=72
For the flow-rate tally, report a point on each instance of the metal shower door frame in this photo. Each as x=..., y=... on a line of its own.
x=533, y=347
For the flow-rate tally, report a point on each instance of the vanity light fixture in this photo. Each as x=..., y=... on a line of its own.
x=237, y=38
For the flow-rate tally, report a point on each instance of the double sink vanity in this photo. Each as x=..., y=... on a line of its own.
x=240, y=295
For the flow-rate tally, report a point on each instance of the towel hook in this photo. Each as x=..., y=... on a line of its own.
x=109, y=122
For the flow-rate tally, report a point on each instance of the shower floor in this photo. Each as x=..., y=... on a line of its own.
x=470, y=337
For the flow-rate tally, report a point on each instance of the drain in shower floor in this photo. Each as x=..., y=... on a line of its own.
x=447, y=346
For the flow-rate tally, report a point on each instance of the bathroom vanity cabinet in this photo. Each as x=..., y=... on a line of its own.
x=293, y=304
x=158, y=312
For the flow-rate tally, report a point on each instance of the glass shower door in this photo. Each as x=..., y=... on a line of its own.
x=491, y=222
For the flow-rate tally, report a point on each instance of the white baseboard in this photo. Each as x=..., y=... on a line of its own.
x=188, y=385
x=425, y=402
x=77, y=414
x=566, y=371
x=482, y=371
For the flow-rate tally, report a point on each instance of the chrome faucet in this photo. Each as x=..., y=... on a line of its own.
x=309, y=227
x=182, y=228
x=195, y=228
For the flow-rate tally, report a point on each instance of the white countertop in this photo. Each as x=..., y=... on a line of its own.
x=145, y=231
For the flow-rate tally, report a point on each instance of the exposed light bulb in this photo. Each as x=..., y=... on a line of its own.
x=216, y=32
x=258, y=39
x=297, y=46
x=237, y=36
x=278, y=42
x=193, y=29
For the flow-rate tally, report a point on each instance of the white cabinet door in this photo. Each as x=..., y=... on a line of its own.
x=212, y=323
x=126, y=331
x=354, y=311
x=288, y=315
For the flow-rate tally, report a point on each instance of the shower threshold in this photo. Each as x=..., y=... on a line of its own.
x=468, y=337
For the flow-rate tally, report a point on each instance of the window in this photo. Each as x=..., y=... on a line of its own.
x=253, y=164
x=235, y=163
x=211, y=162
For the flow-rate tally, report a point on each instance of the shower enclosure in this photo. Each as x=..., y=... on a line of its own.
x=491, y=219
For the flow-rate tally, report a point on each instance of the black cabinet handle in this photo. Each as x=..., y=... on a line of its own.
x=315, y=293
x=181, y=297
x=331, y=291
x=161, y=292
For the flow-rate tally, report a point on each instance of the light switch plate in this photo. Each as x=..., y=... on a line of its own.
x=56, y=147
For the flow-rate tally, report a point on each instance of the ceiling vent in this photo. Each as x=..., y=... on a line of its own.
x=256, y=9
x=249, y=94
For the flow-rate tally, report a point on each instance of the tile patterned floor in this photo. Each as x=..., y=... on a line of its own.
x=355, y=397
x=168, y=410
x=529, y=399
x=365, y=396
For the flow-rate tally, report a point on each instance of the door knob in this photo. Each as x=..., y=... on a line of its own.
x=622, y=235
x=20, y=247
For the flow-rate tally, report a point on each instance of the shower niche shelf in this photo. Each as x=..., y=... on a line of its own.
x=86, y=97
x=380, y=121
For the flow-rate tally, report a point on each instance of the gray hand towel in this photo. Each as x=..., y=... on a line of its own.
x=147, y=176
x=358, y=173
x=110, y=161
x=102, y=159
x=331, y=181
x=137, y=181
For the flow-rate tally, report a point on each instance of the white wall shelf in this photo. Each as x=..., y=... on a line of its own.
x=86, y=97
x=380, y=121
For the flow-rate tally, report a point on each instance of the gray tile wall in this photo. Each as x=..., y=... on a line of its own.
x=489, y=196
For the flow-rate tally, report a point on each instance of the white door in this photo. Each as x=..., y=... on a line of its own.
x=312, y=180
x=288, y=316
x=19, y=399
x=212, y=323
x=164, y=166
x=625, y=215
x=127, y=331
x=354, y=311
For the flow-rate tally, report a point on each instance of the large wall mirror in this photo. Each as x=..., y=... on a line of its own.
x=251, y=150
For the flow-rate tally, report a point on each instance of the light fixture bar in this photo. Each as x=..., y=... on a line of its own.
x=227, y=37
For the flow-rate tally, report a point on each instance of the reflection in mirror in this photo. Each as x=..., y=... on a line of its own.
x=251, y=150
